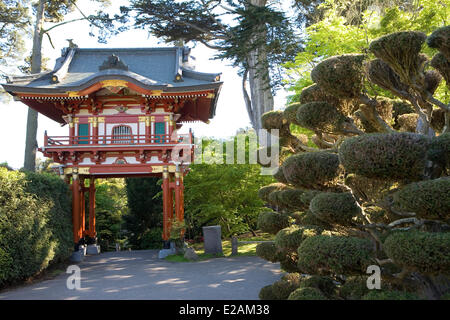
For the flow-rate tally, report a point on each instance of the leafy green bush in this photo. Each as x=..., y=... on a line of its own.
x=283, y=288
x=306, y=294
x=290, y=238
x=35, y=223
x=325, y=254
x=421, y=251
x=389, y=295
x=266, y=293
x=385, y=155
x=324, y=284
x=267, y=251
x=354, y=288
x=311, y=169
x=272, y=222
x=429, y=199
x=335, y=208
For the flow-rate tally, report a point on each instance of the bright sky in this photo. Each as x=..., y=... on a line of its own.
x=230, y=116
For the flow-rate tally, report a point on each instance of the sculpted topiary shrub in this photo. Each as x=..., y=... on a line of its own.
x=324, y=254
x=324, y=284
x=354, y=288
x=376, y=184
x=424, y=252
x=429, y=199
x=340, y=75
x=389, y=155
x=268, y=251
x=312, y=169
x=307, y=294
x=322, y=116
x=390, y=295
x=439, y=151
x=335, y=208
x=266, y=293
x=283, y=288
x=290, y=238
x=272, y=222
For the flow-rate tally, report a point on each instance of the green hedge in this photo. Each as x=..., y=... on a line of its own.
x=324, y=254
x=421, y=251
x=385, y=155
x=429, y=199
x=35, y=223
x=268, y=251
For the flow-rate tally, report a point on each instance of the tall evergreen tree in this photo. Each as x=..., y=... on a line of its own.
x=254, y=34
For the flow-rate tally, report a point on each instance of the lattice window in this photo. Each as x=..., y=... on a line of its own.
x=121, y=134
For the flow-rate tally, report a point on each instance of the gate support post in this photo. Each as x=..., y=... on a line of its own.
x=76, y=209
x=165, y=187
x=92, y=232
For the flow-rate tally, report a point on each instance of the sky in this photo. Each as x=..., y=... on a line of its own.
x=231, y=114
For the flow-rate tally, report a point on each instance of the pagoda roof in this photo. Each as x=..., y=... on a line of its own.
x=149, y=68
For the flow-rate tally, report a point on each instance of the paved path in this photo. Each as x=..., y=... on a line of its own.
x=141, y=275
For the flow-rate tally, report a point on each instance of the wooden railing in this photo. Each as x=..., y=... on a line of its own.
x=133, y=139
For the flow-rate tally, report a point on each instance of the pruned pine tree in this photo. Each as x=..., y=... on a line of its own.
x=372, y=192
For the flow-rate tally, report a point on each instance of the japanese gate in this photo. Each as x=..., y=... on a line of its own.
x=123, y=108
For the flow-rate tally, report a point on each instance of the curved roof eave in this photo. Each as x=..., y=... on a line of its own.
x=140, y=81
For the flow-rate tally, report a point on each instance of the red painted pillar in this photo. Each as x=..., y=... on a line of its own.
x=76, y=208
x=166, y=190
x=179, y=198
x=82, y=208
x=92, y=232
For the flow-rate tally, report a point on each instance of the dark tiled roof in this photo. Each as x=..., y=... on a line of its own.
x=150, y=68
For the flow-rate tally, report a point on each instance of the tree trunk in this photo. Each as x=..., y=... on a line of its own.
x=32, y=119
x=258, y=75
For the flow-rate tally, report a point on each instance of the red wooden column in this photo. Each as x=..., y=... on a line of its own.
x=166, y=191
x=179, y=197
x=92, y=232
x=82, y=208
x=76, y=208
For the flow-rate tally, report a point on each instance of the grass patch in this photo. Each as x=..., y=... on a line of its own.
x=245, y=249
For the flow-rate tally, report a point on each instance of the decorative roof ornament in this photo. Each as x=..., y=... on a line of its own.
x=113, y=62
